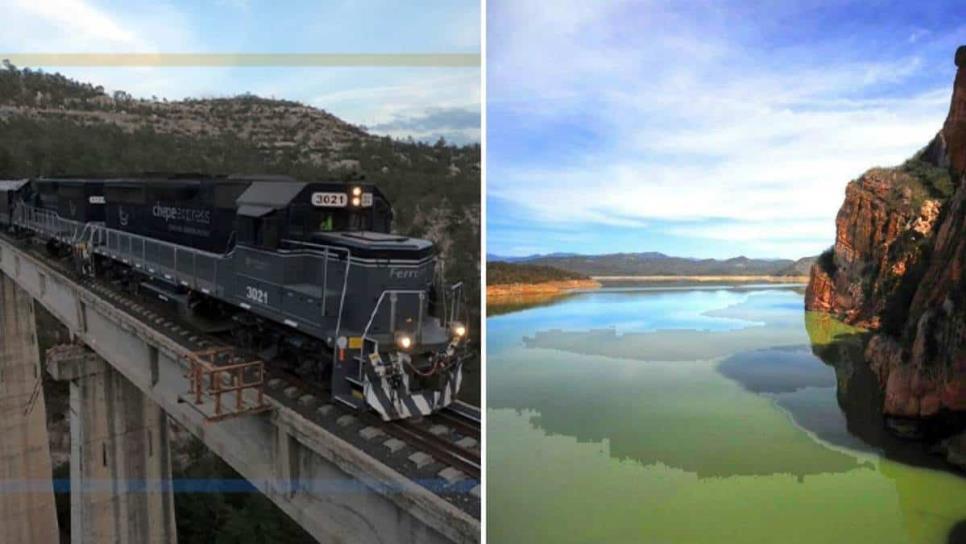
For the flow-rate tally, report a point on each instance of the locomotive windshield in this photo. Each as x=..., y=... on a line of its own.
x=307, y=220
x=339, y=220
x=271, y=212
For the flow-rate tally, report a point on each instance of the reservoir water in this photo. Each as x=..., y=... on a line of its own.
x=691, y=415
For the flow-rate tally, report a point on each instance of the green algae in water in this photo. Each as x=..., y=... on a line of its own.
x=545, y=488
x=589, y=444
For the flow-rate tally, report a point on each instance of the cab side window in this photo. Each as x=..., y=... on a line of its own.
x=381, y=216
x=268, y=232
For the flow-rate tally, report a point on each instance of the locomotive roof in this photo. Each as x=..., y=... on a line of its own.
x=274, y=194
x=263, y=194
x=74, y=181
x=12, y=184
x=262, y=197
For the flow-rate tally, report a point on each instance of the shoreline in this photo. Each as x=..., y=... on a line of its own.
x=525, y=292
x=735, y=279
x=517, y=293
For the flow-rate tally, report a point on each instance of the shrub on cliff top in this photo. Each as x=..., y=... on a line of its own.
x=935, y=180
x=827, y=260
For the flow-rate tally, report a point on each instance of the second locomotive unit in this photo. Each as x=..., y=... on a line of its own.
x=306, y=271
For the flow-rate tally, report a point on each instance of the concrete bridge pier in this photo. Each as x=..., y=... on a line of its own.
x=27, y=509
x=120, y=466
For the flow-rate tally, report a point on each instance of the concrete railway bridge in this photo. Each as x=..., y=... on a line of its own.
x=342, y=476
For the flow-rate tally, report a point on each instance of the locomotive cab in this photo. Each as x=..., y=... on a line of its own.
x=9, y=195
x=272, y=212
x=73, y=199
x=330, y=245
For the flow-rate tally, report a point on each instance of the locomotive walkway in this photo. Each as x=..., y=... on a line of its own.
x=340, y=477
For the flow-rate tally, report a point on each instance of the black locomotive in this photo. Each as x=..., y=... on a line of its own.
x=305, y=271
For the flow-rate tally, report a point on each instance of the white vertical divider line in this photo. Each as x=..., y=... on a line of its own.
x=483, y=158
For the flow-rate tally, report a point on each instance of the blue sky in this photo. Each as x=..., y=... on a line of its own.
x=423, y=102
x=706, y=129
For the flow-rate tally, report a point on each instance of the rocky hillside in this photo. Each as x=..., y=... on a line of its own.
x=52, y=125
x=505, y=273
x=277, y=128
x=897, y=268
x=801, y=267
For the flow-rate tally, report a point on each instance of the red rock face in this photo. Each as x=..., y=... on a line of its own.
x=880, y=208
x=954, y=129
x=931, y=374
x=901, y=258
x=820, y=293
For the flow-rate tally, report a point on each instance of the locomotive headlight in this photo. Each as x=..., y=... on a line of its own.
x=458, y=329
x=356, y=201
x=403, y=341
x=357, y=191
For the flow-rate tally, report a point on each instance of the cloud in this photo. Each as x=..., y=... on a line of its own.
x=694, y=118
x=81, y=26
x=460, y=125
x=67, y=26
x=421, y=103
x=75, y=18
x=362, y=96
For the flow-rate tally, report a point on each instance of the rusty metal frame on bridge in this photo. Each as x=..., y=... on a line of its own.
x=220, y=365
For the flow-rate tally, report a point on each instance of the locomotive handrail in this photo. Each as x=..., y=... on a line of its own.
x=345, y=287
x=98, y=235
x=105, y=229
x=457, y=302
x=101, y=231
x=313, y=245
x=393, y=292
x=345, y=276
x=47, y=222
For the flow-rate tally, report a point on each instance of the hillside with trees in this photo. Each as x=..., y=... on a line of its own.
x=53, y=125
x=506, y=273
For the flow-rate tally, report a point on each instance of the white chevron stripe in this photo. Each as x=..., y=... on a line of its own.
x=424, y=407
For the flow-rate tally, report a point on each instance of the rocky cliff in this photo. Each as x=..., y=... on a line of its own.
x=897, y=268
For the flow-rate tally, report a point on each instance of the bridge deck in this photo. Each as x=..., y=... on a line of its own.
x=300, y=455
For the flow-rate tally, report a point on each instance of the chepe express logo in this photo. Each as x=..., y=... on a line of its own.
x=184, y=215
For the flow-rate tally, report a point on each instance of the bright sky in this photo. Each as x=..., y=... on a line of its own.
x=707, y=129
x=422, y=102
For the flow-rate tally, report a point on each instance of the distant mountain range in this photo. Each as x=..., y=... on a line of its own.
x=652, y=263
x=500, y=259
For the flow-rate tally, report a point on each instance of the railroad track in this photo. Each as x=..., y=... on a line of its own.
x=444, y=447
x=461, y=416
x=463, y=459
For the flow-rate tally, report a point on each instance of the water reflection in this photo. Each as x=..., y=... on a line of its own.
x=696, y=417
x=797, y=381
x=670, y=325
x=858, y=393
x=593, y=386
